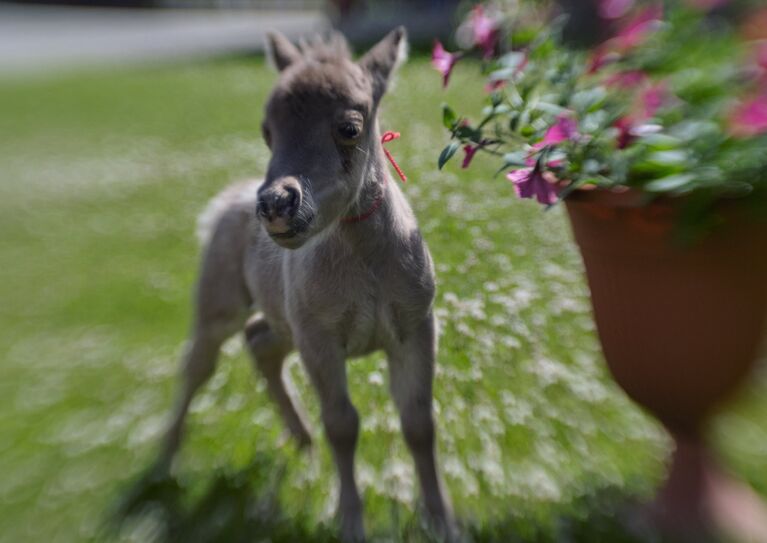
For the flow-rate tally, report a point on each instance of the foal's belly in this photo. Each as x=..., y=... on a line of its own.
x=362, y=329
x=351, y=314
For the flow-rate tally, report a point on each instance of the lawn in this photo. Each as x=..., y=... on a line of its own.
x=102, y=175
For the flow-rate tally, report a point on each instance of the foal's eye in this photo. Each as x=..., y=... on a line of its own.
x=348, y=131
x=348, y=127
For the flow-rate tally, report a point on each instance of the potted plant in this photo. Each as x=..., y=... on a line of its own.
x=655, y=140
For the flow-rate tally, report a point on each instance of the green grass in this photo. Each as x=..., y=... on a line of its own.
x=101, y=177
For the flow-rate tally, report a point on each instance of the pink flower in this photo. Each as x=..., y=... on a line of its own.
x=443, y=61
x=565, y=128
x=761, y=55
x=650, y=100
x=614, y=9
x=494, y=85
x=653, y=98
x=632, y=34
x=629, y=79
x=759, y=68
x=629, y=129
x=625, y=125
x=485, y=33
x=750, y=118
x=531, y=183
x=636, y=30
x=470, y=151
x=600, y=57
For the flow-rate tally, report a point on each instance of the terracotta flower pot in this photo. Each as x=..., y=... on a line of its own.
x=680, y=329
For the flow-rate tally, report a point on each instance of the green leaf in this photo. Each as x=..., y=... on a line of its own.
x=449, y=117
x=513, y=60
x=447, y=153
x=594, y=122
x=525, y=35
x=671, y=183
x=669, y=158
x=588, y=100
x=691, y=130
x=500, y=109
x=569, y=189
x=548, y=107
x=524, y=121
x=515, y=99
x=556, y=156
x=591, y=166
x=661, y=141
x=502, y=74
x=517, y=159
x=468, y=133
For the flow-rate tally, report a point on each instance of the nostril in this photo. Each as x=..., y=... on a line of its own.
x=293, y=197
x=289, y=202
x=262, y=209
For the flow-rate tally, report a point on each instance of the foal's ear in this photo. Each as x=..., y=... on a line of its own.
x=384, y=58
x=279, y=51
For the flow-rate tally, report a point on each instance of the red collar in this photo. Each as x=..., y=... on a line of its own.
x=367, y=214
x=386, y=138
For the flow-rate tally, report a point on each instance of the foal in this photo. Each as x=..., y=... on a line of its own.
x=337, y=266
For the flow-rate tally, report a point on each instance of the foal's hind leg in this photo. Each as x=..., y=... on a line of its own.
x=221, y=308
x=269, y=351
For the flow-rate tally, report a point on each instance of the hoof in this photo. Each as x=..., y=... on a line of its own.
x=444, y=529
x=352, y=533
x=352, y=527
x=160, y=470
x=303, y=442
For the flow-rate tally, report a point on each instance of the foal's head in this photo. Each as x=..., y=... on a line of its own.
x=320, y=124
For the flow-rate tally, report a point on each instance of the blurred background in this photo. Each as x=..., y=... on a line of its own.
x=118, y=121
x=51, y=34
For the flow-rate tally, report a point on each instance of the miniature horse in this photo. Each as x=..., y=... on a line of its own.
x=327, y=250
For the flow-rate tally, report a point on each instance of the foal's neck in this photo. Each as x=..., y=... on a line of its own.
x=378, y=187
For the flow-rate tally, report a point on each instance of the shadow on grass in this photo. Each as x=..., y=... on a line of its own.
x=244, y=506
x=235, y=507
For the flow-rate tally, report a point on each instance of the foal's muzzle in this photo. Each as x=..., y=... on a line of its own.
x=279, y=208
x=278, y=203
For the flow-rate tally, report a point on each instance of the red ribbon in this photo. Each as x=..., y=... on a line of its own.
x=386, y=138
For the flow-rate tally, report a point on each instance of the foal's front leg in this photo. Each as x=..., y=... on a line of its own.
x=325, y=363
x=411, y=367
